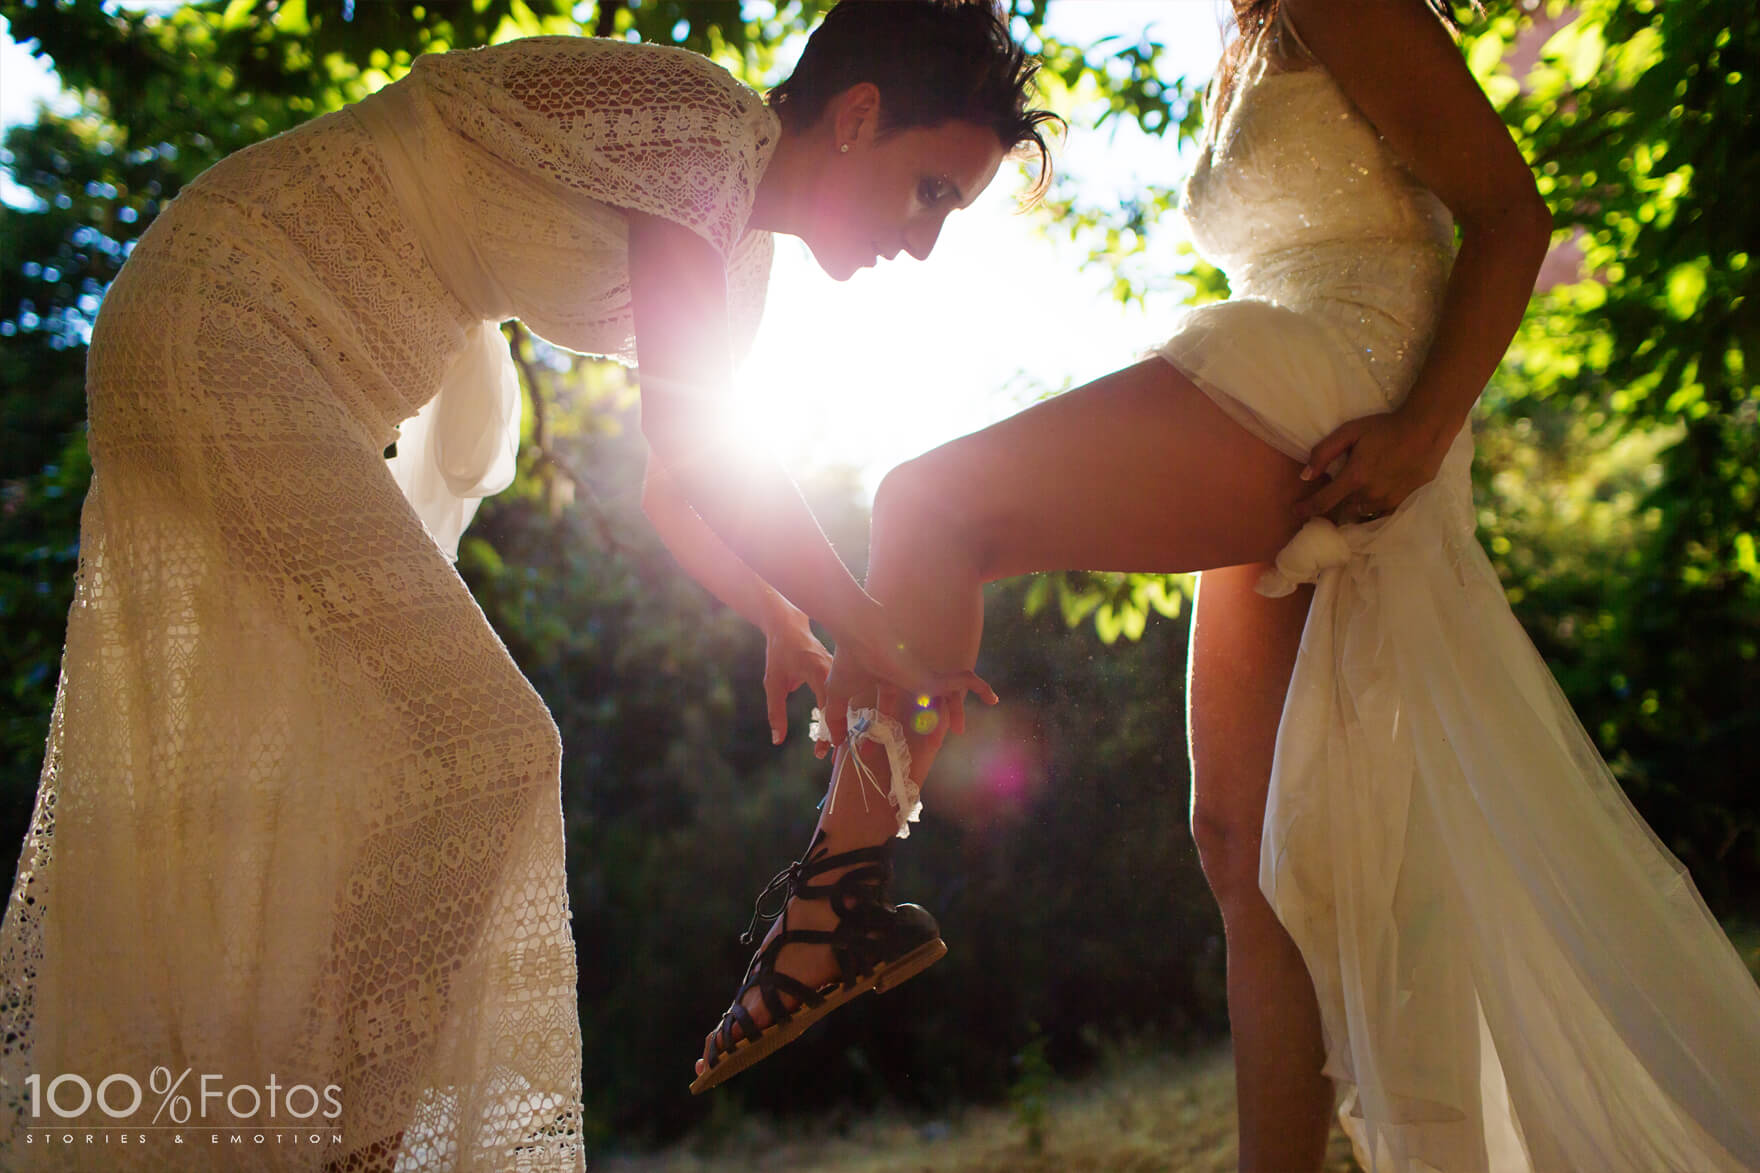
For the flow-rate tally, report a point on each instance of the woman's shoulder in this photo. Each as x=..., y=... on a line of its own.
x=640, y=73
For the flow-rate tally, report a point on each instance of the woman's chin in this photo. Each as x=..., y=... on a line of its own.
x=836, y=267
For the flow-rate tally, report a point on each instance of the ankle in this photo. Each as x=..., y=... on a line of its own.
x=874, y=795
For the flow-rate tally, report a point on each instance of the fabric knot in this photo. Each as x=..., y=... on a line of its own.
x=1318, y=547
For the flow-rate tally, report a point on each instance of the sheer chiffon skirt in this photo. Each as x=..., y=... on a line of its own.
x=299, y=816
x=1513, y=973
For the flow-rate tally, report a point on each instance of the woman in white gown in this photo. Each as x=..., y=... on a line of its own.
x=296, y=862
x=1444, y=920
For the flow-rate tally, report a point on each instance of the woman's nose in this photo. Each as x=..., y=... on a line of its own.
x=920, y=237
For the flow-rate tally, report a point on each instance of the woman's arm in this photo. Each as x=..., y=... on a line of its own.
x=678, y=288
x=706, y=558
x=793, y=655
x=1397, y=63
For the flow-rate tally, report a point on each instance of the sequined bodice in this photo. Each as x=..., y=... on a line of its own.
x=1300, y=201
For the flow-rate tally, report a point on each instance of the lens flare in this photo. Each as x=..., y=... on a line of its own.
x=996, y=771
x=1004, y=773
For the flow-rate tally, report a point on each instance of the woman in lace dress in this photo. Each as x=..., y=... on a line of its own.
x=298, y=840
x=1444, y=920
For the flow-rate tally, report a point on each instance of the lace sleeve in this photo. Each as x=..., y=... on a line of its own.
x=648, y=127
x=748, y=281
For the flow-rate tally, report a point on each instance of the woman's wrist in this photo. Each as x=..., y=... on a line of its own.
x=1433, y=423
x=855, y=617
x=782, y=617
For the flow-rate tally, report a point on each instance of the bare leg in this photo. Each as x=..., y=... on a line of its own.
x=1243, y=651
x=1137, y=471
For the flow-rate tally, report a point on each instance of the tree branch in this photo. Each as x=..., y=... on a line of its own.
x=596, y=512
x=606, y=24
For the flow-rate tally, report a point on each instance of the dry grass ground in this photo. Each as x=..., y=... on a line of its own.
x=1144, y=1115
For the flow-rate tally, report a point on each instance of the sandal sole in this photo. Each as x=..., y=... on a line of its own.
x=749, y=1051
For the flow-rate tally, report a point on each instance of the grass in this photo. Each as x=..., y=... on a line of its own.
x=1143, y=1114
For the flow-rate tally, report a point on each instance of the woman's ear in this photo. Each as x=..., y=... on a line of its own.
x=855, y=115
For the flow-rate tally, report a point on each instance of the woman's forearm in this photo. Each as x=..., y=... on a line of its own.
x=754, y=511
x=678, y=295
x=1488, y=292
x=706, y=558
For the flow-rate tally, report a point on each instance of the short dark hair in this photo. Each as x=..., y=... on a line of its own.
x=934, y=61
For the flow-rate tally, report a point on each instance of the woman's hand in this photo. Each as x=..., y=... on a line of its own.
x=871, y=658
x=793, y=656
x=1386, y=458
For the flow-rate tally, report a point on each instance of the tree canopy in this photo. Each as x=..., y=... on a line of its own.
x=1618, y=477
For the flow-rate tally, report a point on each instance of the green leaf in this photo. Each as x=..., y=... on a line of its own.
x=1485, y=56
x=1686, y=289
x=1746, y=560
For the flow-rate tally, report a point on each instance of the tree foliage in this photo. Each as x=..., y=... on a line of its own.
x=1619, y=468
x=1638, y=383
x=1617, y=484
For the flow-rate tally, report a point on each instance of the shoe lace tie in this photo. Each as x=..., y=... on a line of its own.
x=783, y=885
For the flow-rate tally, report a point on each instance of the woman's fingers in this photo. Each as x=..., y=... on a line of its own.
x=848, y=680
x=1382, y=466
x=960, y=683
x=1329, y=496
x=1338, y=444
x=776, y=690
x=956, y=713
x=817, y=673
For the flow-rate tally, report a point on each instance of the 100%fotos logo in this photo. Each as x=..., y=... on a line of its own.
x=119, y=1096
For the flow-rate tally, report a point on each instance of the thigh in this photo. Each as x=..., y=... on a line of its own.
x=1243, y=650
x=1137, y=471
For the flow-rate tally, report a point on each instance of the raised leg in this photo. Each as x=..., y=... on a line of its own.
x=1137, y=471
x=1243, y=651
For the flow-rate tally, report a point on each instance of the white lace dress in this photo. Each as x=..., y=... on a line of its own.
x=1514, y=975
x=299, y=818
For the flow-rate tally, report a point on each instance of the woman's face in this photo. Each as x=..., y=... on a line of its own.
x=890, y=192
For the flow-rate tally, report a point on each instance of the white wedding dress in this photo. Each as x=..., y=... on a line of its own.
x=1513, y=973
x=299, y=816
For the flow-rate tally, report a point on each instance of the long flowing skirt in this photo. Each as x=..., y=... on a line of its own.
x=295, y=873
x=1514, y=975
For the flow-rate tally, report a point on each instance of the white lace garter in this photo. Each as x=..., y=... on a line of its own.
x=873, y=725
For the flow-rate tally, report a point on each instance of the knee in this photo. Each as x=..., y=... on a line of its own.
x=902, y=502
x=1228, y=840
x=921, y=503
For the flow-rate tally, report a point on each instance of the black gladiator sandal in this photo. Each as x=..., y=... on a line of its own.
x=877, y=946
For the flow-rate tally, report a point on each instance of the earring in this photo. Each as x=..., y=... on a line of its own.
x=844, y=148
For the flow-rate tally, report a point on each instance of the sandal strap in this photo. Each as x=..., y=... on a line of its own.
x=859, y=898
x=791, y=881
x=771, y=985
x=817, y=863
x=851, y=951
